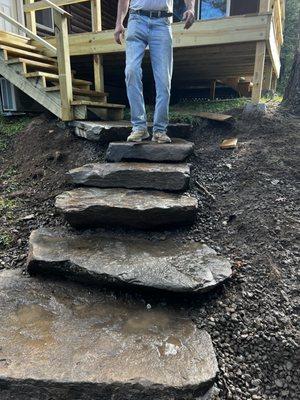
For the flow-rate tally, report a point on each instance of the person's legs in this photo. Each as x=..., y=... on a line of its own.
x=136, y=42
x=161, y=53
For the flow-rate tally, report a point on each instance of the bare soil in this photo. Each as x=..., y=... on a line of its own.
x=248, y=212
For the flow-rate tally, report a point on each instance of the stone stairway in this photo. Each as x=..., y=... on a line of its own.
x=102, y=347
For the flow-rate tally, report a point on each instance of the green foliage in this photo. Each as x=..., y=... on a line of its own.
x=10, y=126
x=291, y=39
x=6, y=240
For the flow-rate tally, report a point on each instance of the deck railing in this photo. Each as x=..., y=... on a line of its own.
x=31, y=7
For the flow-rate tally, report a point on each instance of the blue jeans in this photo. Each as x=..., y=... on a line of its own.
x=156, y=33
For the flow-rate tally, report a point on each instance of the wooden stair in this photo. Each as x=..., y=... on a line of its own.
x=27, y=68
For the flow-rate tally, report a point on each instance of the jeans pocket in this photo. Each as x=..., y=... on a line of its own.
x=167, y=21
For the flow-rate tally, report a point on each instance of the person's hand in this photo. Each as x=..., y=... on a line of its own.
x=119, y=33
x=189, y=18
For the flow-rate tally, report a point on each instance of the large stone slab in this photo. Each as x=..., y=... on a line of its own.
x=94, y=207
x=158, y=176
x=107, y=131
x=61, y=341
x=100, y=258
x=177, y=151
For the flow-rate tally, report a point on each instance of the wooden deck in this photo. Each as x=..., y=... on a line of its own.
x=225, y=50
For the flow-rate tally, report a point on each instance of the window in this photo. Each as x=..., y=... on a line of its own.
x=210, y=9
x=179, y=9
x=7, y=95
x=44, y=20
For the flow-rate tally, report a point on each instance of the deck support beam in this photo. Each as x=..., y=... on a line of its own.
x=268, y=75
x=64, y=64
x=260, y=56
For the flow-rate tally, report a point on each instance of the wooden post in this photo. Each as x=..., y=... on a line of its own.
x=64, y=64
x=30, y=18
x=97, y=58
x=212, y=94
x=268, y=74
x=260, y=56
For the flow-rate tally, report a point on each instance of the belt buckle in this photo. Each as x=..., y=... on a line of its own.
x=158, y=14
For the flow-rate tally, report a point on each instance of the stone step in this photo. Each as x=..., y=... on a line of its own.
x=60, y=341
x=94, y=207
x=102, y=258
x=157, y=176
x=111, y=131
x=177, y=151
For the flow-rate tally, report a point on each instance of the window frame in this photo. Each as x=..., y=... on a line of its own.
x=10, y=89
x=45, y=27
x=199, y=8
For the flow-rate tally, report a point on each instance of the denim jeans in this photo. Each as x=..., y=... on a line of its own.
x=156, y=33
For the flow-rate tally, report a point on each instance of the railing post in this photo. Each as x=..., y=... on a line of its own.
x=64, y=64
x=97, y=58
x=30, y=18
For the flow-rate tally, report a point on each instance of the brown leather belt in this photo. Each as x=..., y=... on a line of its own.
x=152, y=14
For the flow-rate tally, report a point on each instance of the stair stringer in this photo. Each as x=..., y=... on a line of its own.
x=13, y=73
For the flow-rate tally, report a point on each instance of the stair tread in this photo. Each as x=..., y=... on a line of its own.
x=93, y=207
x=157, y=176
x=67, y=325
x=83, y=92
x=177, y=151
x=55, y=77
x=32, y=63
x=9, y=41
x=96, y=104
x=26, y=53
x=165, y=266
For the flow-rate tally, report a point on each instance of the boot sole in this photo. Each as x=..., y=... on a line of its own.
x=138, y=140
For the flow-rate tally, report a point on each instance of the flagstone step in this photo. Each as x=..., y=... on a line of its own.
x=158, y=176
x=108, y=131
x=94, y=207
x=177, y=151
x=102, y=258
x=60, y=341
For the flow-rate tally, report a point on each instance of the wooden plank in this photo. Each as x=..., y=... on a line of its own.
x=26, y=54
x=18, y=45
x=212, y=93
x=273, y=50
x=268, y=74
x=30, y=19
x=32, y=63
x=260, y=56
x=57, y=8
x=43, y=5
x=55, y=78
x=96, y=104
x=13, y=75
x=228, y=144
x=83, y=92
x=213, y=116
x=249, y=28
x=97, y=58
x=64, y=64
x=32, y=35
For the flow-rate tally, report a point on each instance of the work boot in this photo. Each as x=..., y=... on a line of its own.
x=161, y=137
x=138, y=136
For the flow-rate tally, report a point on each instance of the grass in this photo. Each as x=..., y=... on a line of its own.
x=184, y=111
x=6, y=240
x=9, y=127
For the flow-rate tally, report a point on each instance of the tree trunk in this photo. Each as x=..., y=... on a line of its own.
x=291, y=96
x=292, y=90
